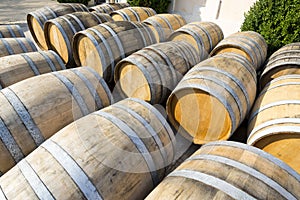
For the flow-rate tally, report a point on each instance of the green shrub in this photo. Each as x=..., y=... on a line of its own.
x=278, y=21
x=85, y=2
x=160, y=6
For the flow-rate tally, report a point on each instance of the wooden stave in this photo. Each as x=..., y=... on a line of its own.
x=266, y=169
x=108, y=8
x=27, y=129
x=47, y=13
x=232, y=94
x=133, y=14
x=28, y=65
x=10, y=46
x=100, y=170
x=107, y=31
x=11, y=31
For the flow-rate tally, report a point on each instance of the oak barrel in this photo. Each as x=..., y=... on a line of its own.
x=153, y=72
x=274, y=123
x=11, y=31
x=163, y=25
x=103, y=46
x=60, y=31
x=108, y=8
x=136, y=14
x=213, y=98
x=249, y=44
x=119, y=152
x=37, y=19
x=15, y=68
x=11, y=46
x=36, y=108
x=229, y=170
x=199, y=34
x=284, y=61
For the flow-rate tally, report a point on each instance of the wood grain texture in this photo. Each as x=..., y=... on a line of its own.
x=108, y=8
x=284, y=61
x=202, y=35
x=135, y=14
x=153, y=72
x=103, y=46
x=36, y=108
x=164, y=25
x=274, y=123
x=59, y=32
x=213, y=98
x=15, y=68
x=11, y=46
x=37, y=19
x=114, y=147
x=249, y=44
x=229, y=170
x=11, y=31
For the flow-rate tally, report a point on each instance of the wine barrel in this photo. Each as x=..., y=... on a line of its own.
x=199, y=34
x=15, y=68
x=102, y=46
x=274, y=123
x=11, y=46
x=229, y=170
x=11, y=31
x=123, y=148
x=213, y=98
x=249, y=44
x=60, y=31
x=153, y=72
x=37, y=19
x=284, y=61
x=163, y=25
x=136, y=14
x=108, y=8
x=36, y=108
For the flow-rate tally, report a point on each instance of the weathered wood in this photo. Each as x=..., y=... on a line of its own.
x=108, y=8
x=249, y=44
x=37, y=19
x=274, y=123
x=11, y=46
x=213, y=98
x=36, y=108
x=229, y=170
x=11, y=31
x=60, y=31
x=199, y=34
x=284, y=61
x=15, y=68
x=103, y=46
x=135, y=14
x=153, y=72
x=163, y=25
x=119, y=152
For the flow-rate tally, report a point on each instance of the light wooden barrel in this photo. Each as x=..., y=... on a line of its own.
x=229, y=170
x=119, y=152
x=37, y=19
x=36, y=108
x=11, y=31
x=153, y=72
x=60, y=31
x=103, y=46
x=213, y=98
x=274, y=123
x=15, y=68
x=249, y=44
x=136, y=14
x=163, y=25
x=11, y=46
x=284, y=61
x=199, y=34
x=108, y=8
